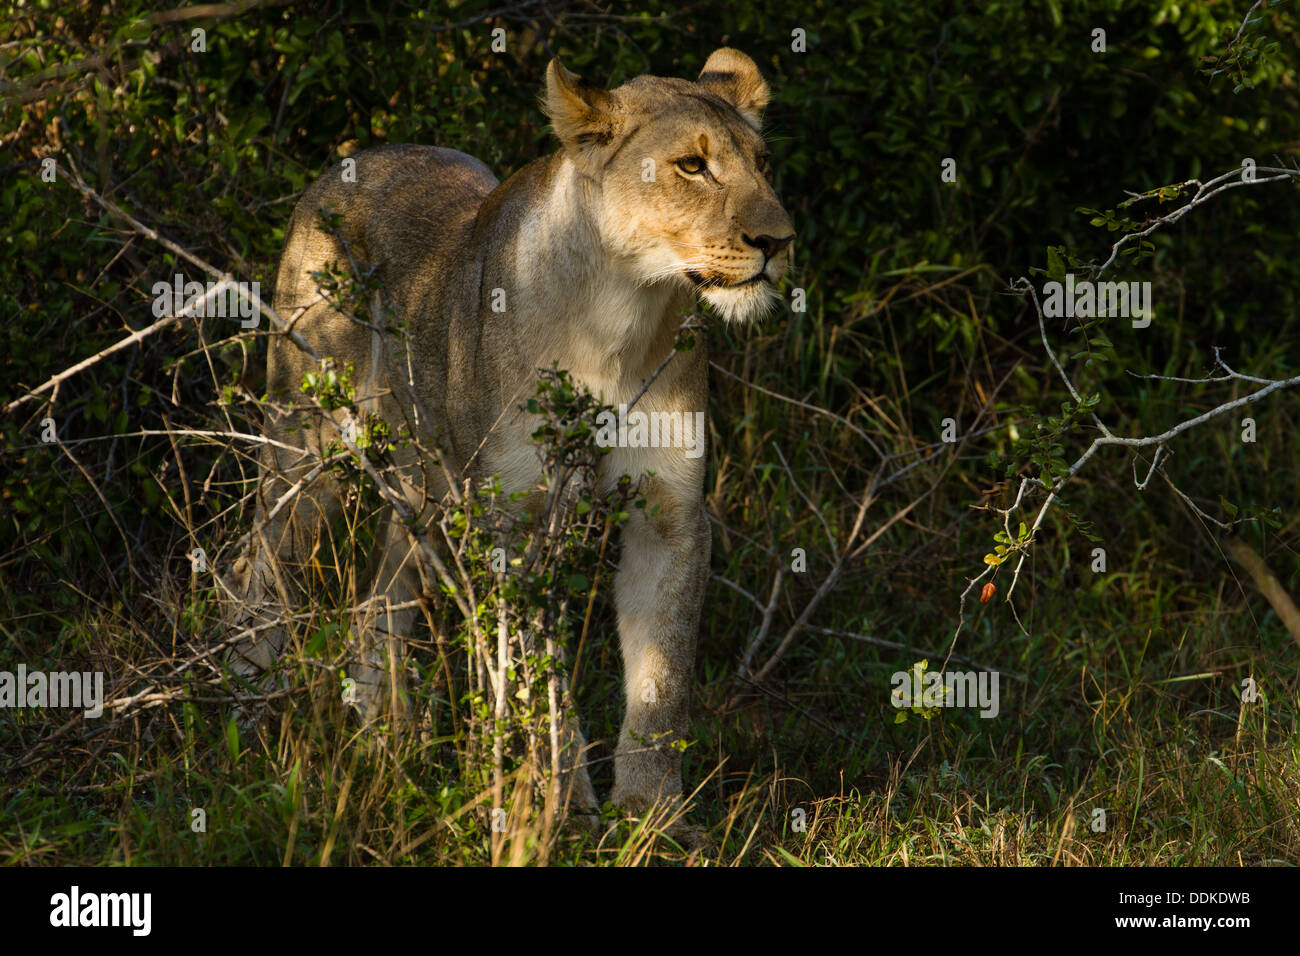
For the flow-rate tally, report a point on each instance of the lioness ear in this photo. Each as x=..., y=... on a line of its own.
x=733, y=76
x=582, y=113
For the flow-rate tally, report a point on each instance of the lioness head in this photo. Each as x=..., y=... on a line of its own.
x=681, y=178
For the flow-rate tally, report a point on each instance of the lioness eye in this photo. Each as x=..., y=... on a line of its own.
x=692, y=165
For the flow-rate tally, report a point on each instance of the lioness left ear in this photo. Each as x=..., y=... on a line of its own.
x=583, y=114
x=733, y=76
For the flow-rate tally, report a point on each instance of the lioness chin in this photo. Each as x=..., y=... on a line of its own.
x=658, y=195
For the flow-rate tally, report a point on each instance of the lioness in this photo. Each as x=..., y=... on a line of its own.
x=658, y=194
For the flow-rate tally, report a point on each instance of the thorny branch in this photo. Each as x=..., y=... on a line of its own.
x=1106, y=438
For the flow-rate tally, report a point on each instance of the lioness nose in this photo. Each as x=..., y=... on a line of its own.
x=769, y=245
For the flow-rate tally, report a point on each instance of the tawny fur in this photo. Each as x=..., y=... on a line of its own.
x=597, y=260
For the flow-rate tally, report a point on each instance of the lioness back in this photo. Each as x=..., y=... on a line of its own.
x=408, y=212
x=408, y=207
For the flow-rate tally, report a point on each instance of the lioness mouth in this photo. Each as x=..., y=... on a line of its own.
x=710, y=282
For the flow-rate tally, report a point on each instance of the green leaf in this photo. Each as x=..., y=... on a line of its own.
x=1055, y=266
x=790, y=857
x=232, y=739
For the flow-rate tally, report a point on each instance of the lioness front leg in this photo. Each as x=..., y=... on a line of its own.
x=658, y=593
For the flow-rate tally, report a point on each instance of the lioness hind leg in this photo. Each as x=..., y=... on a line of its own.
x=384, y=626
x=264, y=583
x=248, y=598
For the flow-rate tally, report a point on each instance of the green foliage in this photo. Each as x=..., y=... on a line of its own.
x=903, y=698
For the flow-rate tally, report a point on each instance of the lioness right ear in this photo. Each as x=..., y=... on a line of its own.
x=582, y=113
x=733, y=76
